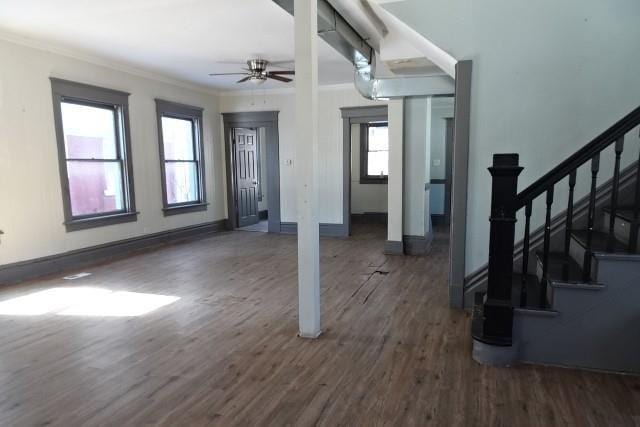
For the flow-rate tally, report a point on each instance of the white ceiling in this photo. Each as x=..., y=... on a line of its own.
x=182, y=39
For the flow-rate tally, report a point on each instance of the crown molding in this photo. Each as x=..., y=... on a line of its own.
x=284, y=91
x=95, y=60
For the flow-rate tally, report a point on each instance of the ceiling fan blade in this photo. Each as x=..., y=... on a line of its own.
x=278, y=63
x=243, y=80
x=286, y=72
x=227, y=74
x=279, y=78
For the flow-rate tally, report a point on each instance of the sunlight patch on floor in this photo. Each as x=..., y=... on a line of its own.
x=85, y=301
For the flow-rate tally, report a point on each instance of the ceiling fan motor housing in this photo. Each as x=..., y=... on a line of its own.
x=258, y=68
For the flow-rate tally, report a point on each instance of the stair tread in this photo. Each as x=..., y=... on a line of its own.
x=624, y=212
x=600, y=242
x=562, y=268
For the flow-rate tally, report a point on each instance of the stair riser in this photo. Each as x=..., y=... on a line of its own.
x=577, y=251
x=549, y=287
x=622, y=228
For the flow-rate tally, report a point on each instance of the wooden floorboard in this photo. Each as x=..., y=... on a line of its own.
x=226, y=353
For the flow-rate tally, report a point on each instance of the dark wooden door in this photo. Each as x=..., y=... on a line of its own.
x=246, y=173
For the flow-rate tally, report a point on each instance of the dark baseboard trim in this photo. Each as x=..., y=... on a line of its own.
x=263, y=215
x=417, y=245
x=393, y=247
x=327, y=230
x=374, y=216
x=31, y=269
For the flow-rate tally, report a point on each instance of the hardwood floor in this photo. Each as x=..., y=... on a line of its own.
x=226, y=353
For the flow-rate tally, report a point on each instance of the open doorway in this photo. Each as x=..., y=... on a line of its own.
x=253, y=187
x=366, y=168
x=369, y=177
x=441, y=155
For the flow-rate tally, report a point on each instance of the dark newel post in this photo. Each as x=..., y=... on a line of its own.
x=498, y=308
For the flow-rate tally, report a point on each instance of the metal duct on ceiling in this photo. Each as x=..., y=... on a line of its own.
x=340, y=35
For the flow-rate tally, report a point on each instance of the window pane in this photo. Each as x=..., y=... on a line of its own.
x=95, y=187
x=177, y=135
x=378, y=163
x=182, y=182
x=89, y=132
x=378, y=138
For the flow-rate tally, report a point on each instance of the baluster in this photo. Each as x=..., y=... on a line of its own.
x=614, y=192
x=568, y=225
x=595, y=167
x=525, y=255
x=545, y=253
x=633, y=236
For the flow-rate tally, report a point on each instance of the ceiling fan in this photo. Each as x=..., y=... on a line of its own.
x=257, y=72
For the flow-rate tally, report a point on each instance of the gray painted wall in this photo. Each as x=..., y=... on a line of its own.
x=436, y=199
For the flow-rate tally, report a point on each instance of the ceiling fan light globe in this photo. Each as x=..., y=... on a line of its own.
x=257, y=81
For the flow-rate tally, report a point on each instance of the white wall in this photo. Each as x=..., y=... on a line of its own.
x=548, y=76
x=365, y=198
x=395, y=194
x=30, y=194
x=330, y=99
x=416, y=161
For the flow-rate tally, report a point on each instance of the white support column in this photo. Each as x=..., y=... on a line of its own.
x=394, y=244
x=306, y=170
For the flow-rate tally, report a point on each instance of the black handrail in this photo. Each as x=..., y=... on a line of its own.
x=580, y=157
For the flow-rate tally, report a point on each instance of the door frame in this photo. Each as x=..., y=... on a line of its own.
x=351, y=116
x=450, y=131
x=254, y=119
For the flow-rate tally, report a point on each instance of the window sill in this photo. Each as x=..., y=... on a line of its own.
x=193, y=207
x=100, y=221
x=364, y=180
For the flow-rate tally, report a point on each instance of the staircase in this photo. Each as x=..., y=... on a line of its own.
x=572, y=296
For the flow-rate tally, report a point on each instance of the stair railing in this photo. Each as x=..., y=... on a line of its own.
x=506, y=202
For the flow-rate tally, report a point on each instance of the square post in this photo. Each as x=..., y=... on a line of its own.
x=306, y=161
x=493, y=326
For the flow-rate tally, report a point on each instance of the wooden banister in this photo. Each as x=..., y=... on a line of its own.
x=580, y=157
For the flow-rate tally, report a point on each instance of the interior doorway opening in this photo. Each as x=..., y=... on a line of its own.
x=253, y=175
x=369, y=177
x=441, y=131
x=365, y=169
x=250, y=171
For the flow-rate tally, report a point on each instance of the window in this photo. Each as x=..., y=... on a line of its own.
x=181, y=157
x=92, y=131
x=374, y=154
